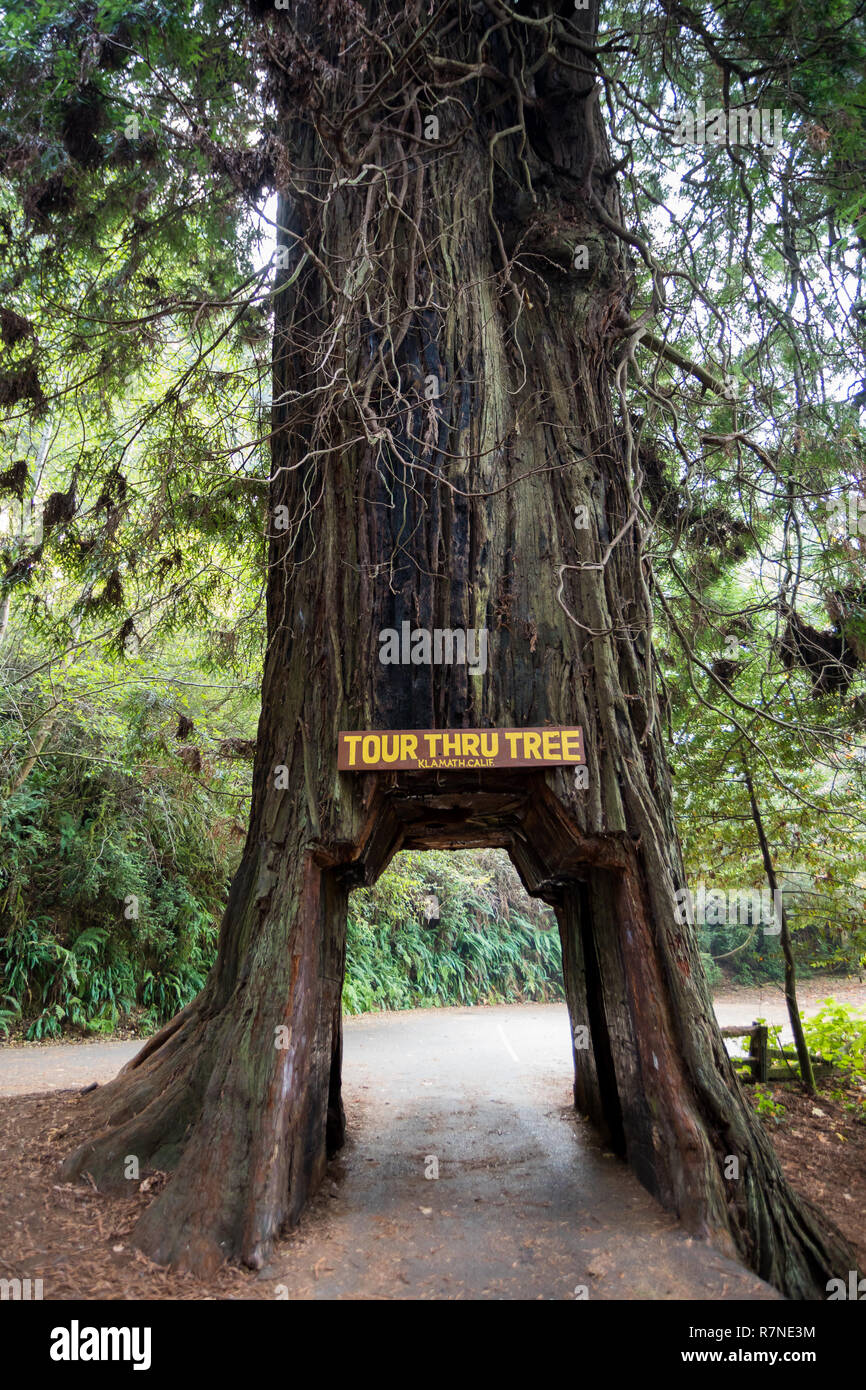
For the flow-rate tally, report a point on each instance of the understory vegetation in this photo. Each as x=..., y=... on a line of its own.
x=118, y=852
x=449, y=928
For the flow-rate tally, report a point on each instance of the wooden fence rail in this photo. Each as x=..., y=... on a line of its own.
x=760, y=1052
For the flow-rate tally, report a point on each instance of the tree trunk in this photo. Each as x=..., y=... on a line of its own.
x=803, y=1057
x=444, y=413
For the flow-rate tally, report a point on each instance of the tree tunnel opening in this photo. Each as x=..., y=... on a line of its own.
x=519, y=817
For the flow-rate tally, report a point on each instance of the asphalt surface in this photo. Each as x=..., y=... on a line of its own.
x=467, y=1173
x=62, y=1066
x=526, y=1204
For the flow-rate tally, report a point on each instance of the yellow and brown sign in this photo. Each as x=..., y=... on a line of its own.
x=418, y=749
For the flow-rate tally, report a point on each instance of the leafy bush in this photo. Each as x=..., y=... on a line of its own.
x=766, y=1105
x=743, y=953
x=839, y=1035
x=113, y=878
x=711, y=970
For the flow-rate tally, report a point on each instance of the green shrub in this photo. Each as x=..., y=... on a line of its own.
x=838, y=1034
x=113, y=878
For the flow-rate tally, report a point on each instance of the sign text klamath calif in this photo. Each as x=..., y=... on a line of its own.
x=417, y=749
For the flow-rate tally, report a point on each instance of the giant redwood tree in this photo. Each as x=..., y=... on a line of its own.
x=456, y=312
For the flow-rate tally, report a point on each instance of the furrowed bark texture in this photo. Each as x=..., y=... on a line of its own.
x=444, y=412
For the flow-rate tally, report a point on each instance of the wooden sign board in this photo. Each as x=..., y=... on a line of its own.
x=416, y=750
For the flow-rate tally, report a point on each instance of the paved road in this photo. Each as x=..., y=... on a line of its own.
x=768, y=1001
x=526, y=1204
x=24, y=1070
